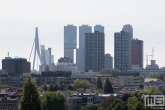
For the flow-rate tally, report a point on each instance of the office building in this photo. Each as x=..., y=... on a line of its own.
x=94, y=51
x=122, y=50
x=47, y=58
x=5, y=63
x=99, y=28
x=64, y=64
x=108, y=61
x=146, y=72
x=80, y=53
x=70, y=41
x=16, y=65
x=128, y=28
x=137, y=53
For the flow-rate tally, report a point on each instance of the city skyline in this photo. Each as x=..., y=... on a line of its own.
x=18, y=22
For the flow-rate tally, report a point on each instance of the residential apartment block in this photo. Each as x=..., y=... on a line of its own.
x=122, y=51
x=94, y=51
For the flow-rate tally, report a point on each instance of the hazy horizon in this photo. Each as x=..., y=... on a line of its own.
x=20, y=18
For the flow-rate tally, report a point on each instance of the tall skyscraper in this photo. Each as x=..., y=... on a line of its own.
x=99, y=28
x=80, y=53
x=128, y=28
x=122, y=50
x=94, y=51
x=108, y=61
x=46, y=55
x=70, y=41
x=137, y=52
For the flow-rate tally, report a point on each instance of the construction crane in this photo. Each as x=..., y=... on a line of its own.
x=152, y=56
x=152, y=53
x=147, y=58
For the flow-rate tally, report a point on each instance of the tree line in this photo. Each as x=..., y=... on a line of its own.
x=32, y=100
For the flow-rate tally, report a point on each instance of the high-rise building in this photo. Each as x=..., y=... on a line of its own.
x=94, y=51
x=16, y=65
x=137, y=52
x=70, y=41
x=122, y=50
x=128, y=28
x=46, y=56
x=99, y=28
x=80, y=53
x=108, y=61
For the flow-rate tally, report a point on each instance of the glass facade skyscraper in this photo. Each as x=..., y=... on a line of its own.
x=70, y=41
x=99, y=28
x=80, y=53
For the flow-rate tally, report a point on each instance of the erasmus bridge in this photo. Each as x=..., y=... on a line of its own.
x=36, y=50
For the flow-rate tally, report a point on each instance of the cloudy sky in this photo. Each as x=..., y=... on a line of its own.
x=18, y=19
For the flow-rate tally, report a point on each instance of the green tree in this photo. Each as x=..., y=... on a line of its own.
x=108, y=86
x=140, y=106
x=109, y=70
x=79, y=83
x=53, y=101
x=131, y=103
x=134, y=104
x=85, y=84
x=96, y=92
x=162, y=77
x=20, y=90
x=163, y=91
x=45, y=87
x=99, y=83
x=138, y=96
x=154, y=75
x=69, y=92
x=51, y=88
x=125, y=97
x=5, y=86
x=70, y=87
x=152, y=90
x=92, y=107
x=39, y=88
x=141, y=79
x=118, y=105
x=30, y=99
x=56, y=88
x=148, y=108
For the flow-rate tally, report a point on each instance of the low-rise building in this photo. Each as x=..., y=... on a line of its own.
x=146, y=72
x=121, y=79
x=59, y=67
x=106, y=100
x=9, y=101
x=64, y=64
x=76, y=101
x=63, y=78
